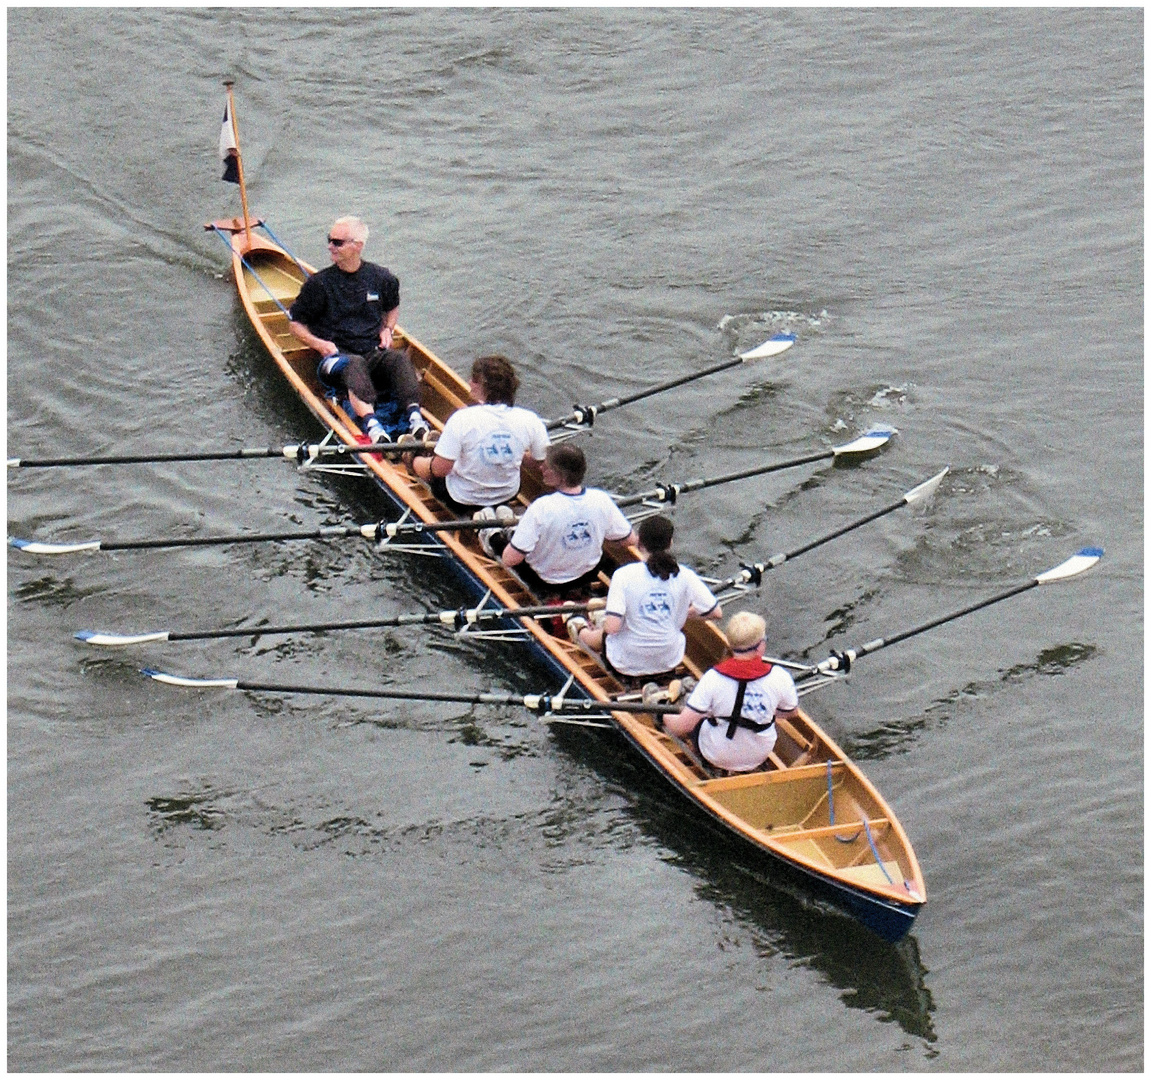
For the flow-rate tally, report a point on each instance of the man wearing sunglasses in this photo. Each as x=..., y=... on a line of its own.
x=346, y=312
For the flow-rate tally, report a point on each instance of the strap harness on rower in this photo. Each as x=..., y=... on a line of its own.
x=743, y=672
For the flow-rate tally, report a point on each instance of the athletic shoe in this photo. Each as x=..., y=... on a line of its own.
x=417, y=426
x=373, y=429
x=486, y=513
x=505, y=515
x=575, y=624
x=680, y=689
x=654, y=694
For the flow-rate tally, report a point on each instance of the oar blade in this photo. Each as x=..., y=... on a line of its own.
x=94, y=637
x=179, y=680
x=1082, y=560
x=773, y=346
x=925, y=490
x=870, y=440
x=34, y=547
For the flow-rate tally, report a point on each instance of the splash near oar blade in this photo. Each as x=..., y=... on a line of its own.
x=772, y=347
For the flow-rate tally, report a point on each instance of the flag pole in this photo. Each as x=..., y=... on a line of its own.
x=239, y=161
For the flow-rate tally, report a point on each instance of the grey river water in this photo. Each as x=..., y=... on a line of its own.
x=946, y=206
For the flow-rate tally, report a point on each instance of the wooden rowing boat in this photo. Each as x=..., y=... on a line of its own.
x=821, y=817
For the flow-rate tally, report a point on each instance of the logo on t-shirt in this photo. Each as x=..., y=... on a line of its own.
x=756, y=707
x=578, y=536
x=498, y=449
x=656, y=605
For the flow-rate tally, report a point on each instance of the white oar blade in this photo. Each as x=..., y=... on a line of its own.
x=34, y=547
x=925, y=490
x=773, y=346
x=94, y=637
x=1082, y=560
x=179, y=680
x=868, y=441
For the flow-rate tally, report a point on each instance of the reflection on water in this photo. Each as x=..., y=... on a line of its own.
x=190, y=809
x=772, y=902
x=898, y=736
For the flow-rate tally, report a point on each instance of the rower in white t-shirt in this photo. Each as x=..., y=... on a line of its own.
x=648, y=603
x=733, y=709
x=479, y=453
x=557, y=547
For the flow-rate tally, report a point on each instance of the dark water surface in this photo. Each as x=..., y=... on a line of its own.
x=945, y=205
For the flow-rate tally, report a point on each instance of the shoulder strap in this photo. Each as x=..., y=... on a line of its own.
x=737, y=719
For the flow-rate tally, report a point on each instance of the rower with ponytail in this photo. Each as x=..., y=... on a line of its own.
x=655, y=538
x=648, y=603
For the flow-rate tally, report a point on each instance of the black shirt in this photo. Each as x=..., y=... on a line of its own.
x=348, y=309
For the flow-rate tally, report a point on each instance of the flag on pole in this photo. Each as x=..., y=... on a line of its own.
x=229, y=152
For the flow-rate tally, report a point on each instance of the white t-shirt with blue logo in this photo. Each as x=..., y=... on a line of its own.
x=762, y=700
x=562, y=535
x=653, y=612
x=487, y=444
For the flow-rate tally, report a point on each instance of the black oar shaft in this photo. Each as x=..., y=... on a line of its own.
x=460, y=618
x=298, y=453
x=538, y=702
x=148, y=459
x=330, y=532
x=668, y=492
x=846, y=529
x=880, y=643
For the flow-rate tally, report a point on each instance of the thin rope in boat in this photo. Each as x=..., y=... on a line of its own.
x=274, y=298
x=876, y=853
x=303, y=269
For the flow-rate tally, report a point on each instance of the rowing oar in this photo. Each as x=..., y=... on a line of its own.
x=752, y=573
x=1082, y=560
x=461, y=617
x=378, y=530
x=868, y=442
x=297, y=452
x=540, y=704
x=305, y=452
x=584, y=415
x=457, y=619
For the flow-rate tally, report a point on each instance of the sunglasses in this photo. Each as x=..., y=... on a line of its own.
x=337, y=241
